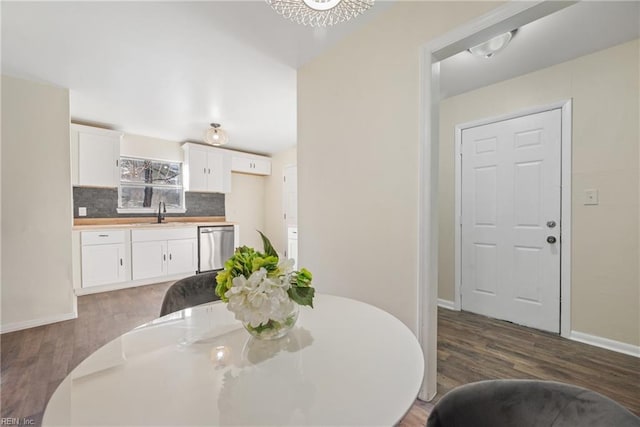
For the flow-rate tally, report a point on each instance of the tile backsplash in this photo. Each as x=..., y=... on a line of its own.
x=103, y=202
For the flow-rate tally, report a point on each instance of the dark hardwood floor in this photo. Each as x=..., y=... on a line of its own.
x=470, y=348
x=36, y=360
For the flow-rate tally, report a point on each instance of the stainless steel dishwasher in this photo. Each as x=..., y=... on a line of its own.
x=215, y=246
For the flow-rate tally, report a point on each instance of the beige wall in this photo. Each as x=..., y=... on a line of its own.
x=36, y=207
x=274, y=207
x=358, y=156
x=605, y=289
x=245, y=205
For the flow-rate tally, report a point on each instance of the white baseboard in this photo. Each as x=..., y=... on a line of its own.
x=130, y=284
x=449, y=305
x=620, y=347
x=17, y=326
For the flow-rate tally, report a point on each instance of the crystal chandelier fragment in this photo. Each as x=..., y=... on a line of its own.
x=320, y=13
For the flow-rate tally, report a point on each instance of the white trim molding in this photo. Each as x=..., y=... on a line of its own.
x=606, y=343
x=445, y=303
x=17, y=326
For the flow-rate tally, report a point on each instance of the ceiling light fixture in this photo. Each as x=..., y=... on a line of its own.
x=320, y=13
x=215, y=135
x=493, y=46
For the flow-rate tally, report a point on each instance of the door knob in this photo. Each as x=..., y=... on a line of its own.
x=551, y=224
x=551, y=239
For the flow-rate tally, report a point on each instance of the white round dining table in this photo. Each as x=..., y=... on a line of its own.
x=345, y=363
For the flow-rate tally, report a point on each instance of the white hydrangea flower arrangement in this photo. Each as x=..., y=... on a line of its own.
x=263, y=291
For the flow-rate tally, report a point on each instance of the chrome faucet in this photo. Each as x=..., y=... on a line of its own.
x=162, y=209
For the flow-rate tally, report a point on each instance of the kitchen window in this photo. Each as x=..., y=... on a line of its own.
x=144, y=183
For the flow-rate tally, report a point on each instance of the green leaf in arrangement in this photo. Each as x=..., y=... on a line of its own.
x=303, y=278
x=303, y=296
x=268, y=247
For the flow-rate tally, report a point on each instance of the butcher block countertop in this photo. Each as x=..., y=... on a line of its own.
x=146, y=222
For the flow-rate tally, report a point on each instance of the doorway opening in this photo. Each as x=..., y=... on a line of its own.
x=500, y=20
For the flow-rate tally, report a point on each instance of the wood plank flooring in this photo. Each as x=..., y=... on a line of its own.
x=35, y=361
x=470, y=348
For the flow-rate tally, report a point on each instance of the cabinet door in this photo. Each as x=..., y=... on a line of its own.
x=198, y=170
x=262, y=166
x=183, y=256
x=251, y=164
x=98, y=158
x=149, y=259
x=215, y=171
x=103, y=264
x=241, y=164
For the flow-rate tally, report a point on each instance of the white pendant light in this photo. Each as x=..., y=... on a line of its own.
x=492, y=46
x=320, y=13
x=215, y=135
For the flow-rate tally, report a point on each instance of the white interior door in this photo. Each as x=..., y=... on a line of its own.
x=290, y=196
x=510, y=237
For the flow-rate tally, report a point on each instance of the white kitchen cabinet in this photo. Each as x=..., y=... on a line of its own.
x=96, y=156
x=207, y=169
x=149, y=259
x=104, y=258
x=250, y=163
x=166, y=252
x=183, y=256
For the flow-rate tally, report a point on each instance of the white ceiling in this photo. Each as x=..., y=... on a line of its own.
x=572, y=32
x=168, y=69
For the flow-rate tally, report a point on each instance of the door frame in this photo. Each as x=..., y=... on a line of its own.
x=497, y=21
x=565, y=203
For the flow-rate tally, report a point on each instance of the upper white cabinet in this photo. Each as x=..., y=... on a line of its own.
x=250, y=163
x=207, y=169
x=96, y=156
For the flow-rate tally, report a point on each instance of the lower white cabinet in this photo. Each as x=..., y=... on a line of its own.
x=183, y=256
x=104, y=258
x=166, y=252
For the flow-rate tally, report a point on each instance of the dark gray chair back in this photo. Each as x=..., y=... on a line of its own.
x=189, y=292
x=528, y=403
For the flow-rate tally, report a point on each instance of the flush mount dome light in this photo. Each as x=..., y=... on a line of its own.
x=320, y=13
x=493, y=46
x=215, y=135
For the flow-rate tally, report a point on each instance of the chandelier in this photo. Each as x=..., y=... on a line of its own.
x=320, y=13
x=215, y=135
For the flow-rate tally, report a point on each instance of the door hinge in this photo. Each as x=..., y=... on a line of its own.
x=285, y=216
x=284, y=178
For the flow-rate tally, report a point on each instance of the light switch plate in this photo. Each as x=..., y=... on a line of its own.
x=591, y=197
x=82, y=211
